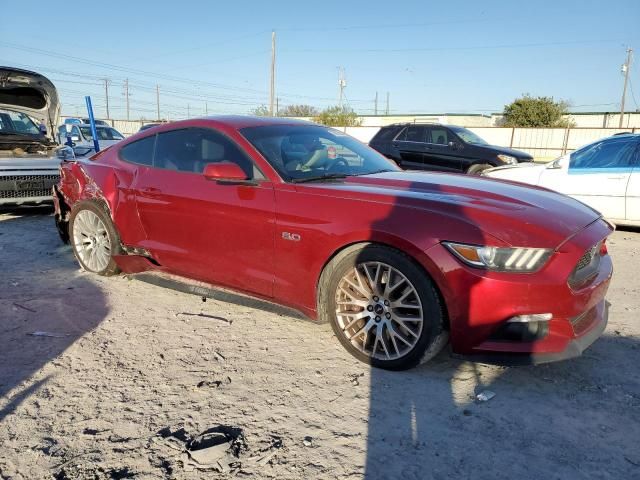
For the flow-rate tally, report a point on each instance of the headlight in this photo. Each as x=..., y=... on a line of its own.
x=507, y=159
x=501, y=259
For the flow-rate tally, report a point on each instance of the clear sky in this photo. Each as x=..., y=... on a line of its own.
x=431, y=56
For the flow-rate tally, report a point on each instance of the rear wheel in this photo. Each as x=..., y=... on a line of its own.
x=478, y=168
x=383, y=308
x=94, y=239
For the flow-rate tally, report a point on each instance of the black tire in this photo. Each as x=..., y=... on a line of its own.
x=114, y=238
x=432, y=337
x=478, y=168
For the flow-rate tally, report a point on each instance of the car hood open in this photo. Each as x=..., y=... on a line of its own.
x=30, y=93
x=519, y=215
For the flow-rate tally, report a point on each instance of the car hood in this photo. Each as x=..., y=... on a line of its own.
x=518, y=215
x=30, y=93
x=509, y=151
x=29, y=162
x=522, y=172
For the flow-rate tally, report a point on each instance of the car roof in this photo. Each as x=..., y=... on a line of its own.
x=243, y=121
x=418, y=124
x=625, y=134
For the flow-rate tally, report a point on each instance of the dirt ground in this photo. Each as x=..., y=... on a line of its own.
x=136, y=372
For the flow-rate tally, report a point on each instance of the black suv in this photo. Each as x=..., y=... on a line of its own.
x=442, y=147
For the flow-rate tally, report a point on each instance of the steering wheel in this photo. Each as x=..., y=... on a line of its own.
x=338, y=162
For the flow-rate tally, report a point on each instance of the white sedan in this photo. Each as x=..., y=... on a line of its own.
x=605, y=175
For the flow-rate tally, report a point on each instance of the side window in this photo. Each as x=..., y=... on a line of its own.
x=403, y=135
x=75, y=132
x=385, y=134
x=140, y=152
x=607, y=154
x=190, y=149
x=439, y=136
x=416, y=134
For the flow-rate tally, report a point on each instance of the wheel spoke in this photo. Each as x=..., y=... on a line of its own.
x=356, y=288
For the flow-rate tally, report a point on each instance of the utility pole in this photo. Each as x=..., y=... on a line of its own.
x=272, y=91
x=375, y=107
x=387, y=109
x=106, y=94
x=277, y=105
x=158, y=101
x=625, y=69
x=342, y=83
x=126, y=95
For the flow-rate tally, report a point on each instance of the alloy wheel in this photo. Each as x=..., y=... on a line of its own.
x=91, y=241
x=379, y=311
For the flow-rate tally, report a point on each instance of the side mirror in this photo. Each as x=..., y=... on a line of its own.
x=65, y=154
x=453, y=145
x=224, y=172
x=559, y=162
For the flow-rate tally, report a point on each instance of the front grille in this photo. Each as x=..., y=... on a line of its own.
x=586, y=268
x=586, y=258
x=24, y=186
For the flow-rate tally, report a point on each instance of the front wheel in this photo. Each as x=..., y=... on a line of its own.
x=94, y=239
x=478, y=168
x=383, y=308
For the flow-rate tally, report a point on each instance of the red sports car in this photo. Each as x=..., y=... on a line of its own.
x=305, y=216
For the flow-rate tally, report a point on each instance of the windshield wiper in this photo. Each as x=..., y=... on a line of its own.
x=320, y=178
x=383, y=170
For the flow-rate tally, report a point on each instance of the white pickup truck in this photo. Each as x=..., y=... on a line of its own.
x=29, y=110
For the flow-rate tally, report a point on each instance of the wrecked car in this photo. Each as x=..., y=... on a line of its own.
x=29, y=110
x=306, y=216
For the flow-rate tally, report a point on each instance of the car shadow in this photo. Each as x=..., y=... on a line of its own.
x=558, y=420
x=46, y=302
x=571, y=419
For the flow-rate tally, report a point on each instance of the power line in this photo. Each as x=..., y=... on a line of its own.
x=152, y=85
x=437, y=49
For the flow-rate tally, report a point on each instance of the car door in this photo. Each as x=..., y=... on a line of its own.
x=217, y=232
x=438, y=155
x=597, y=175
x=633, y=191
x=410, y=144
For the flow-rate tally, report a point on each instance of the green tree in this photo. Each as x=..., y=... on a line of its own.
x=338, y=117
x=528, y=111
x=298, y=111
x=260, y=111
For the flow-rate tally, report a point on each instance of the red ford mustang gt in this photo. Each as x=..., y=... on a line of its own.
x=306, y=216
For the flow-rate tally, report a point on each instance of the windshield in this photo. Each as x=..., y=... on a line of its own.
x=468, y=136
x=17, y=123
x=104, y=133
x=308, y=152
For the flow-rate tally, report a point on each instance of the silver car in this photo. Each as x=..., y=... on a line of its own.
x=29, y=110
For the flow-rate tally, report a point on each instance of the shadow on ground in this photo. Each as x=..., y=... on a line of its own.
x=573, y=419
x=36, y=328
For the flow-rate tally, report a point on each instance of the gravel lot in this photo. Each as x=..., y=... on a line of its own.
x=136, y=371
